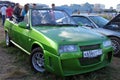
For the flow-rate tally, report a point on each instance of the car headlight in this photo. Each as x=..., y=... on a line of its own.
x=67, y=48
x=107, y=43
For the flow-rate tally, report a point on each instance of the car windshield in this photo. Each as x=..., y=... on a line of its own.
x=98, y=20
x=51, y=17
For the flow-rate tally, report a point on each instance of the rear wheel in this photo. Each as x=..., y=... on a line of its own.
x=116, y=46
x=37, y=60
x=7, y=39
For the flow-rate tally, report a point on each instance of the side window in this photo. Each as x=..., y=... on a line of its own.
x=84, y=21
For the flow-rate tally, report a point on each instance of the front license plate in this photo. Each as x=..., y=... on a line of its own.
x=92, y=53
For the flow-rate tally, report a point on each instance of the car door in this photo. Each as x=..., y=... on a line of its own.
x=13, y=31
x=24, y=34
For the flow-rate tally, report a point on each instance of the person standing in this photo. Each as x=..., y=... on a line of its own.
x=9, y=12
x=52, y=14
x=3, y=12
x=53, y=6
x=25, y=10
x=17, y=10
x=34, y=6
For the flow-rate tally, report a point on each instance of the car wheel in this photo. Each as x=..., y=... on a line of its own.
x=7, y=39
x=37, y=60
x=116, y=46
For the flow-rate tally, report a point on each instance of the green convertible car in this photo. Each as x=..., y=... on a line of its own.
x=57, y=44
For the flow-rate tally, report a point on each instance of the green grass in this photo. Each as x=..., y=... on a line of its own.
x=2, y=44
x=24, y=71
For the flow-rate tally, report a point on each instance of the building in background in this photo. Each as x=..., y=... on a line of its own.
x=87, y=8
x=118, y=8
x=99, y=7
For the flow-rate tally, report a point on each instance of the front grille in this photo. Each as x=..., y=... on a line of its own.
x=89, y=47
x=89, y=61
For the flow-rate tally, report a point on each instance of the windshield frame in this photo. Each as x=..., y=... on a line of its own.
x=66, y=16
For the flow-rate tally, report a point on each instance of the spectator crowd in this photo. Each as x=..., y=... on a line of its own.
x=17, y=11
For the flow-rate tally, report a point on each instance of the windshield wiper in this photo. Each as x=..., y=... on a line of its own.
x=49, y=24
x=68, y=24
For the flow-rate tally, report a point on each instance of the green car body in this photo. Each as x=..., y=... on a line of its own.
x=63, y=46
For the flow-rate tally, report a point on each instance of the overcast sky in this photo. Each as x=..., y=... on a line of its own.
x=107, y=3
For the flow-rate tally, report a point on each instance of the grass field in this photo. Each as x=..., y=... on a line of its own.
x=22, y=70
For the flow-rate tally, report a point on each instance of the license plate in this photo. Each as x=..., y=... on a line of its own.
x=92, y=53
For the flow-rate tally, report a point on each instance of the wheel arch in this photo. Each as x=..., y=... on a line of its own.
x=36, y=45
x=113, y=36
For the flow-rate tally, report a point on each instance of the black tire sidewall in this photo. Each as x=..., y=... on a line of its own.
x=33, y=52
x=118, y=40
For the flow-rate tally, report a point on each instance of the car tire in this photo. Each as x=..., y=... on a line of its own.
x=37, y=60
x=7, y=40
x=116, y=46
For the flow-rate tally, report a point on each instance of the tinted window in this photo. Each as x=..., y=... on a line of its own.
x=83, y=21
x=99, y=21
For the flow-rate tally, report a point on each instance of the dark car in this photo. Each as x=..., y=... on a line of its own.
x=108, y=28
x=114, y=24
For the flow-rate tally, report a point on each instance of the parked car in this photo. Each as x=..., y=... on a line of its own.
x=100, y=24
x=56, y=44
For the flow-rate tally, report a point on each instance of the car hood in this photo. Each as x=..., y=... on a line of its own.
x=106, y=32
x=70, y=34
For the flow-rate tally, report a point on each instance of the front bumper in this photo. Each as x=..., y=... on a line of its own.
x=72, y=64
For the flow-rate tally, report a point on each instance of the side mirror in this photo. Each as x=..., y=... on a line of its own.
x=112, y=26
x=115, y=26
x=22, y=25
